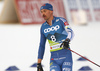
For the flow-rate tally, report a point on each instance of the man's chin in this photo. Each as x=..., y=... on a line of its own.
x=45, y=19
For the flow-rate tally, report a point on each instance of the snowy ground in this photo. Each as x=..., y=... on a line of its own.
x=19, y=46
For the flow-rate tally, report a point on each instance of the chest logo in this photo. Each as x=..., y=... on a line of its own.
x=57, y=20
x=53, y=28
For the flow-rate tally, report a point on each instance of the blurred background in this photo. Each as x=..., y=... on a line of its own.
x=20, y=22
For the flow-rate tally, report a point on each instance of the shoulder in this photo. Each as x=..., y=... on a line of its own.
x=62, y=19
x=44, y=24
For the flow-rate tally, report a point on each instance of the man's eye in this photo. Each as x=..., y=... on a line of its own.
x=44, y=11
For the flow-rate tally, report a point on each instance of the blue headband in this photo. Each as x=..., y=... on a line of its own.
x=47, y=6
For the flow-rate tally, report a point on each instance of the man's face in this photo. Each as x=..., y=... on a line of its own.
x=46, y=14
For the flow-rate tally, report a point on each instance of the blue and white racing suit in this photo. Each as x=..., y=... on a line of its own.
x=61, y=59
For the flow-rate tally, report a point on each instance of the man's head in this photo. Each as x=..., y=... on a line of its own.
x=46, y=11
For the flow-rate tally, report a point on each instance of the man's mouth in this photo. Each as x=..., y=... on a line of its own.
x=44, y=16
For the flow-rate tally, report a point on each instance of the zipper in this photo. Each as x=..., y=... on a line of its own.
x=58, y=55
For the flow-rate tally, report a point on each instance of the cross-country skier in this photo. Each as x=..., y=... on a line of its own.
x=58, y=33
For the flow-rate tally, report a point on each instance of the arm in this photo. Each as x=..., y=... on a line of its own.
x=41, y=51
x=39, y=60
x=69, y=33
x=67, y=28
x=41, y=47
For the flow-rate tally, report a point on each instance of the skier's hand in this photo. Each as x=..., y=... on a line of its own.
x=39, y=67
x=65, y=44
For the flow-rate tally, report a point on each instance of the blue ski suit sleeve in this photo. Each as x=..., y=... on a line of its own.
x=67, y=28
x=42, y=45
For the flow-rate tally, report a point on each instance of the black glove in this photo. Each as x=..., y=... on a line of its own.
x=65, y=44
x=39, y=67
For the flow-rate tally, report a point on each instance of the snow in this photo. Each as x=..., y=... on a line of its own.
x=19, y=46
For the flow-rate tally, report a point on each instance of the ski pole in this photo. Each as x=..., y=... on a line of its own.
x=84, y=57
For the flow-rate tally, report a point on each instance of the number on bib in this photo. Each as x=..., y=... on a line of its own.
x=53, y=38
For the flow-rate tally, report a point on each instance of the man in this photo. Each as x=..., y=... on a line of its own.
x=58, y=33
